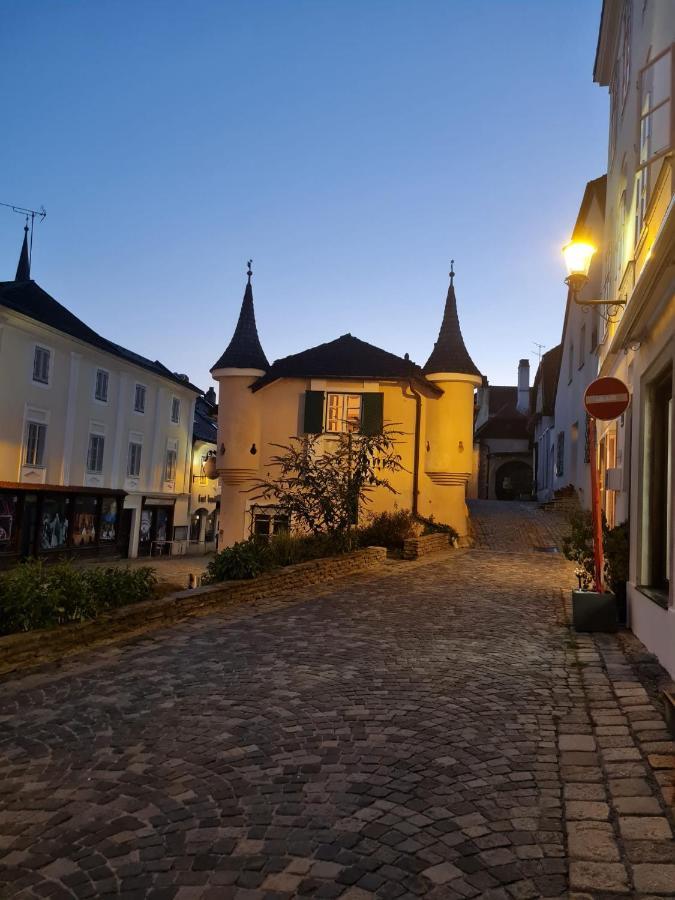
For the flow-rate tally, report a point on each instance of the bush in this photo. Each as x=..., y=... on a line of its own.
x=287, y=550
x=35, y=595
x=430, y=526
x=577, y=546
x=245, y=559
x=616, y=547
x=388, y=529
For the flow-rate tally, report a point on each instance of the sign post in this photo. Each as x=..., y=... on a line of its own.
x=605, y=399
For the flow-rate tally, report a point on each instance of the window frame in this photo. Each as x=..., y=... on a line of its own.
x=144, y=388
x=139, y=444
x=171, y=448
x=34, y=462
x=175, y=405
x=106, y=372
x=344, y=410
x=44, y=383
x=95, y=435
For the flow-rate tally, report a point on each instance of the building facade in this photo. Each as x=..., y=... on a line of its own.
x=346, y=385
x=205, y=487
x=635, y=62
x=502, y=439
x=96, y=441
x=543, y=423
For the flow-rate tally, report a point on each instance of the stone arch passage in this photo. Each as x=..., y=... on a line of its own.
x=513, y=480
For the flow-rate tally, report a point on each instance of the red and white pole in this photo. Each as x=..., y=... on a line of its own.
x=598, y=557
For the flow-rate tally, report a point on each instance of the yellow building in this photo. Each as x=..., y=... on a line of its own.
x=346, y=385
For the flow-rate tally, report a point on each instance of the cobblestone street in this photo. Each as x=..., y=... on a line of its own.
x=434, y=730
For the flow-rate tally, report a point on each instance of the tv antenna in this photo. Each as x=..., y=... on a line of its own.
x=29, y=214
x=539, y=347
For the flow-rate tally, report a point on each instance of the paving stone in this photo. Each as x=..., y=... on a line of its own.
x=645, y=828
x=599, y=876
x=576, y=742
x=637, y=806
x=629, y=787
x=582, y=809
x=592, y=843
x=442, y=873
x=654, y=878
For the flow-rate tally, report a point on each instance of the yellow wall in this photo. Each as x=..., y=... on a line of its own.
x=275, y=413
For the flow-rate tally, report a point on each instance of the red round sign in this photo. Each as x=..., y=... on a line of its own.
x=606, y=398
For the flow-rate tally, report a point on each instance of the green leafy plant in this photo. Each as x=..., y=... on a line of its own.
x=388, y=529
x=245, y=559
x=577, y=546
x=616, y=546
x=430, y=526
x=323, y=487
x=286, y=549
x=35, y=595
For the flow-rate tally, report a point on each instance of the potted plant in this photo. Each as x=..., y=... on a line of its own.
x=592, y=609
x=615, y=541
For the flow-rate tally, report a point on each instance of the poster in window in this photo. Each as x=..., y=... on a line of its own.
x=8, y=509
x=84, y=521
x=54, y=523
x=108, y=519
x=146, y=525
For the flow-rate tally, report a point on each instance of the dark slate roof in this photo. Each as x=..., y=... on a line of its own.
x=345, y=357
x=450, y=353
x=205, y=427
x=244, y=350
x=547, y=376
x=23, y=268
x=29, y=299
x=596, y=189
x=504, y=420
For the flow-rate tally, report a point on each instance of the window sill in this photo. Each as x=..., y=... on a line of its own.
x=656, y=595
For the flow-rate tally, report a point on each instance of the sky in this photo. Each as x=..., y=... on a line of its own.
x=350, y=147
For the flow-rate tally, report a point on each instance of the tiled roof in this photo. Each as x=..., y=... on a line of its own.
x=504, y=420
x=205, y=427
x=29, y=299
x=450, y=353
x=345, y=357
x=244, y=350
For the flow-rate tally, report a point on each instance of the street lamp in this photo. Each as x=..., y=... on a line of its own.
x=578, y=256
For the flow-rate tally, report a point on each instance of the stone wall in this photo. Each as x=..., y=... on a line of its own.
x=20, y=651
x=415, y=547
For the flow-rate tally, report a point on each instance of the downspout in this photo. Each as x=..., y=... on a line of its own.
x=416, y=447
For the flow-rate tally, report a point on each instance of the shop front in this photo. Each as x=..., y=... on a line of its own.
x=155, y=537
x=50, y=521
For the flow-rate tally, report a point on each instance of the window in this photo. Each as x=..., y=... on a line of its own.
x=108, y=519
x=170, y=465
x=582, y=346
x=101, y=392
x=36, y=435
x=658, y=452
x=175, y=410
x=134, y=459
x=625, y=53
x=343, y=413
x=655, y=128
x=95, y=453
x=139, y=399
x=85, y=515
x=41, y=362
x=269, y=520
x=560, y=455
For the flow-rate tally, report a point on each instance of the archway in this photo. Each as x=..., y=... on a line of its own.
x=513, y=480
x=197, y=521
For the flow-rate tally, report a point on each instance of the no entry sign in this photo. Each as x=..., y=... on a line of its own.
x=606, y=398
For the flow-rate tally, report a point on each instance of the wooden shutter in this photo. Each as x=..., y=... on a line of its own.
x=371, y=413
x=313, y=412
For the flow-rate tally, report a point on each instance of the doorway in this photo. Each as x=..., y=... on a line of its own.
x=155, y=531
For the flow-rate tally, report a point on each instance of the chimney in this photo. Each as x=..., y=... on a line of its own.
x=523, y=404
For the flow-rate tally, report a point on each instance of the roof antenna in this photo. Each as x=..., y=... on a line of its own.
x=539, y=347
x=249, y=270
x=28, y=213
x=452, y=271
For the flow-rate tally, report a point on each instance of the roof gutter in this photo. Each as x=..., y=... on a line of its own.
x=416, y=447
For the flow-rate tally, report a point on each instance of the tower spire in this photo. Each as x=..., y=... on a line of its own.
x=450, y=353
x=23, y=269
x=244, y=350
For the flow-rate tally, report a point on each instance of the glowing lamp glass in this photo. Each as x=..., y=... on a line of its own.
x=578, y=257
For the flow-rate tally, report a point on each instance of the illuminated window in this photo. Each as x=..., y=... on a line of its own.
x=343, y=413
x=655, y=129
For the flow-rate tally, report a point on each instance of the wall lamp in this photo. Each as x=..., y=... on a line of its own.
x=578, y=255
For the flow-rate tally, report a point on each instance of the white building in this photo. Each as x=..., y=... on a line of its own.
x=578, y=366
x=635, y=61
x=96, y=441
x=205, y=487
x=542, y=423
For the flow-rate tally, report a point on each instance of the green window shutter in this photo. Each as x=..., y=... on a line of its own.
x=371, y=413
x=313, y=412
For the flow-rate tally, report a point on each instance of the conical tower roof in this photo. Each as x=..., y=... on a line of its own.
x=244, y=350
x=23, y=269
x=450, y=353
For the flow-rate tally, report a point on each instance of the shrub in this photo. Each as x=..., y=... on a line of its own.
x=388, y=529
x=35, y=595
x=430, y=526
x=577, y=546
x=287, y=550
x=616, y=547
x=245, y=559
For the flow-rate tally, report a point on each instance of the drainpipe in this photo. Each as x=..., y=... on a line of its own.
x=416, y=452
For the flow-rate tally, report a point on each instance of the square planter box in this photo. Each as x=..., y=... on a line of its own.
x=594, y=612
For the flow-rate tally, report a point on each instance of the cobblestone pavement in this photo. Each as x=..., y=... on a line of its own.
x=432, y=730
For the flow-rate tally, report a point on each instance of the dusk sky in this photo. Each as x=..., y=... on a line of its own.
x=351, y=148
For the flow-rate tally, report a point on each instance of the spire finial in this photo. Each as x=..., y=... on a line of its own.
x=249, y=270
x=452, y=271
